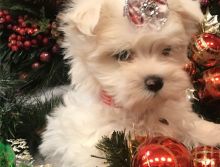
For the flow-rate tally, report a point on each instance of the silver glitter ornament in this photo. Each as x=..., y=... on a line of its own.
x=151, y=14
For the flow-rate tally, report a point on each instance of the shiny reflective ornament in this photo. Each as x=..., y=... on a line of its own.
x=21, y=150
x=211, y=79
x=211, y=24
x=190, y=68
x=151, y=14
x=206, y=50
x=162, y=152
x=206, y=156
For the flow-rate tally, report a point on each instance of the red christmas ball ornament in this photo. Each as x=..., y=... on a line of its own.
x=162, y=152
x=206, y=156
x=205, y=50
x=35, y=66
x=211, y=81
x=45, y=57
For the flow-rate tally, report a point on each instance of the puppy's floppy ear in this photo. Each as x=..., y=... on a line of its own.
x=84, y=16
x=189, y=11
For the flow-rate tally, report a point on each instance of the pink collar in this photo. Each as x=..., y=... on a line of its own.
x=107, y=99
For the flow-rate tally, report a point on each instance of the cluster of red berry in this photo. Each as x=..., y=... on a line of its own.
x=5, y=17
x=26, y=35
x=17, y=41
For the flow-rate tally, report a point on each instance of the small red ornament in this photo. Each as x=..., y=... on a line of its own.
x=55, y=48
x=206, y=156
x=206, y=50
x=45, y=57
x=35, y=65
x=162, y=152
x=211, y=81
x=45, y=40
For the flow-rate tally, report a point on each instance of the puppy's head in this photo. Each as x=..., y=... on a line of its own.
x=134, y=65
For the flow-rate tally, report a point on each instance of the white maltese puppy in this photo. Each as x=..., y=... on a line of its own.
x=127, y=71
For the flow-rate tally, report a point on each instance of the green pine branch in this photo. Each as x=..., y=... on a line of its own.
x=116, y=150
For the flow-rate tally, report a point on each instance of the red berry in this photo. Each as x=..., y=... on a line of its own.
x=22, y=31
x=21, y=20
x=19, y=38
x=36, y=30
x=45, y=57
x=34, y=41
x=8, y=18
x=13, y=42
x=45, y=41
x=18, y=29
x=19, y=44
x=13, y=36
x=9, y=27
x=14, y=48
x=2, y=20
x=39, y=37
x=55, y=48
x=27, y=44
x=30, y=31
x=35, y=65
x=14, y=28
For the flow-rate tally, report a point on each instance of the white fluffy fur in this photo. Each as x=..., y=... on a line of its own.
x=94, y=30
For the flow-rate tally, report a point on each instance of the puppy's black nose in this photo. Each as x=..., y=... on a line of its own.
x=153, y=83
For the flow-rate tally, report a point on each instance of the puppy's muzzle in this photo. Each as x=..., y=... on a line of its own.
x=153, y=83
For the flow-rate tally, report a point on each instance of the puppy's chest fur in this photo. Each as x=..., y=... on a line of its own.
x=164, y=119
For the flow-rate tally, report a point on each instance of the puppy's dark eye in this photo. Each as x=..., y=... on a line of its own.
x=167, y=51
x=124, y=55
